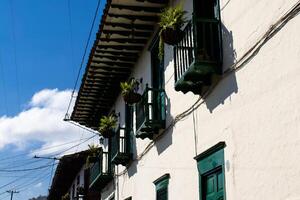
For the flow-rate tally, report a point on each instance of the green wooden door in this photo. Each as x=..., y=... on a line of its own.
x=211, y=173
x=213, y=186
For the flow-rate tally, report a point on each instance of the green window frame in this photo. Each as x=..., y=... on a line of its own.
x=161, y=187
x=211, y=170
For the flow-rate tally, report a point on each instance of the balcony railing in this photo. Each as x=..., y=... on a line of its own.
x=198, y=55
x=150, y=113
x=121, y=146
x=101, y=171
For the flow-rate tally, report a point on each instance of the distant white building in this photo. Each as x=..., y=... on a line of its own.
x=219, y=117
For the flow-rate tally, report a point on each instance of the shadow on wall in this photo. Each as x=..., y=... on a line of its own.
x=166, y=140
x=133, y=168
x=227, y=85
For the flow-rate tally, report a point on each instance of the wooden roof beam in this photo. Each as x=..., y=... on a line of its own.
x=125, y=40
x=120, y=47
x=135, y=17
x=137, y=8
x=131, y=26
x=132, y=33
x=118, y=53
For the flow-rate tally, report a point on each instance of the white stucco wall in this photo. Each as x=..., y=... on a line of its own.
x=255, y=111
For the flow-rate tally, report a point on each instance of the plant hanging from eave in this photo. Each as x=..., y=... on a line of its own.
x=107, y=126
x=66, y=197
x=93, y=154
x=129, y=91
x=171, y=21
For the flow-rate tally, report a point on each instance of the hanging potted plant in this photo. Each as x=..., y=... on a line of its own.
x=80, y=190
x=107, y=126
x=130, y=91
x=94, y=152
x=66, y=197
x=171, y=20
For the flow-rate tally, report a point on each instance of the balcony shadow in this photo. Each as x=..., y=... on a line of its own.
x=228, y=84
x=166, y=137
x=168, y=55
x=132, y=168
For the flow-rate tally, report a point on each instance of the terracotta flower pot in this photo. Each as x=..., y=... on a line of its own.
x=172, y=36
x=132, y=97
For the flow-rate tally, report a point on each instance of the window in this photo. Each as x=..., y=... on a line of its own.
x=211, y=173
x=161, y=186
x=157, y=65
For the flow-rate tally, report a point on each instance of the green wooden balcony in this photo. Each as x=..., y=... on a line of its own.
x=198, y=56
x=121, y=146
x=150, y=113
x=101, y=172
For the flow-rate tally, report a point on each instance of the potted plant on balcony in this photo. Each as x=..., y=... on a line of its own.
x=171, y=20
x=130, y=91
x=66, y=197
x=93, y=155
x=107, y=126
x=80, y=191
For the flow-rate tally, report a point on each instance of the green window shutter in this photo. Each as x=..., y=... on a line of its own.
x=161, y=186
x=128, y=126
x=211, y=173
x=128, y=116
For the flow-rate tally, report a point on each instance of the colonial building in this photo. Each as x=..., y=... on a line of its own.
x=218, y=117
x=71, y=179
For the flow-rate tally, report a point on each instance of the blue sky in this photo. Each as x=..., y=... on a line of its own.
x=41, y=46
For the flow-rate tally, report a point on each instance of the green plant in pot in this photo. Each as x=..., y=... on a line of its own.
x=171, y=21
x=130, y=91
x=66, y=197
x=80, y=190
x=107, y=126
x=94, y=152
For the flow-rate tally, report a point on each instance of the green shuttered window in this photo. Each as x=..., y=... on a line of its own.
x=161, y=187
x=211, y=173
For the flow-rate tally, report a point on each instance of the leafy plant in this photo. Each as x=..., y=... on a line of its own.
x=80, y=190
x=107, y=123
x=131, y=86
x=93, y=149
x=170, y=18
x=94, y=152
x=66, y=197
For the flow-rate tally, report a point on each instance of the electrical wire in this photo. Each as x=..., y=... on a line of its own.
x=15, y=53
x=84, y=54
x=24, y=170
x=41, y=150
x=2, y=78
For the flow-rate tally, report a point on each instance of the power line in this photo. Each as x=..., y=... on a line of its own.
x=83, y=58
x=24, y=170
x=3, y=84
x=42, y=149
x=12, y=192
x=15, y=52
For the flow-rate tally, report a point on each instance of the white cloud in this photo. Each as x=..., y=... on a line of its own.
x=42, y=122
x=38, y=185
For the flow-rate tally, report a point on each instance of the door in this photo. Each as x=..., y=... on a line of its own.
x=213, y=185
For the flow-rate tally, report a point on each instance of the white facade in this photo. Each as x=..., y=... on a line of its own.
x=253, y=110
x=77, y=182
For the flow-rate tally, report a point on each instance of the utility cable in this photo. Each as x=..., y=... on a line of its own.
x=83, y=57
x=15, y=52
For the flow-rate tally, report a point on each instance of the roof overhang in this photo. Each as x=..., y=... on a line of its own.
x=66, y=171
x=125, y=29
